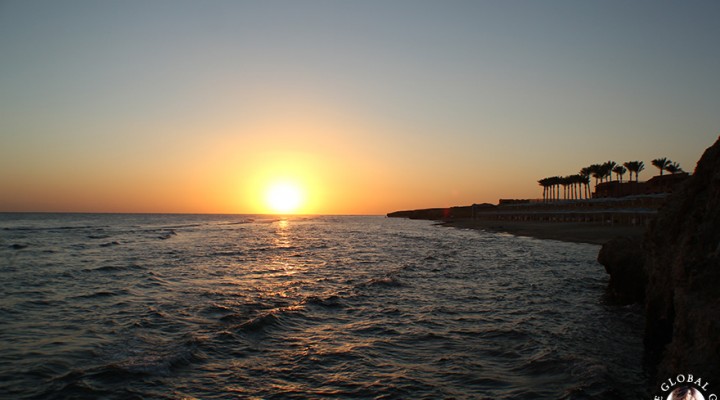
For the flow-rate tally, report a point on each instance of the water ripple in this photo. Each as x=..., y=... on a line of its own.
x=158, y=306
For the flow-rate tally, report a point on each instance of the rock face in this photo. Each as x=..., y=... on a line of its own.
x=682, y=263
x=623, y=258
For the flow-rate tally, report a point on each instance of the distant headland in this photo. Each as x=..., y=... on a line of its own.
x=568, y=210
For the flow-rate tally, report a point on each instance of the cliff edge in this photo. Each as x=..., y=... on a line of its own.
x=682, y=265
x=623, y=259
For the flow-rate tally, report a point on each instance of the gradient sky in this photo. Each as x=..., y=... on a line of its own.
x=373, y=106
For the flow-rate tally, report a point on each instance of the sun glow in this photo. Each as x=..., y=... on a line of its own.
x=284, y=197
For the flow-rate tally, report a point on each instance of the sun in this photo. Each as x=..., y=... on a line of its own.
x=284, y=197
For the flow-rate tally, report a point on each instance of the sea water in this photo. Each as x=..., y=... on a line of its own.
x=225, y=307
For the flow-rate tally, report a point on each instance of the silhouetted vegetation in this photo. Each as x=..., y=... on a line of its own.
x=673, y=168
x=574, y=187
x=661, y=164
x=619, y=170
x=634, y=167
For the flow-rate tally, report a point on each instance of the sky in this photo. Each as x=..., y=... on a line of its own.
x=364, y=107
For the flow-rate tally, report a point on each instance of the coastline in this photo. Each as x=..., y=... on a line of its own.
x=577, y=232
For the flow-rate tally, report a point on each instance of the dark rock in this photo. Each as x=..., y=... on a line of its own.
x=622, y=258
x=440, y=213
x=682, y=262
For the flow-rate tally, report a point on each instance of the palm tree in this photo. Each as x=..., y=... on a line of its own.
x=562, y=182
x=631, y=167
x=556, y=182
x=607, y=169
x=584, y=179
x=541, y=182
x=545, y=183
x=673, y=168
x=596, y=172
x=640, y=168
x=550, y=182
x=620, y=171
x=661, y=164
x=634, y=167
x=580, y=181
x=572, y=182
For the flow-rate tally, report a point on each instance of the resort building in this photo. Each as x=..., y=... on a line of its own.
x=656, y=185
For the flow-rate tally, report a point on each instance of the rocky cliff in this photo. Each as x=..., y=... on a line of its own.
x=623, y=258
x=682, y=264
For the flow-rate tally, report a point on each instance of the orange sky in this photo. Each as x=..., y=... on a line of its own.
x=369, y=107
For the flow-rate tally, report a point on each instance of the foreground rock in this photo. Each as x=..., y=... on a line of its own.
x=623, y=258
x=682, y=262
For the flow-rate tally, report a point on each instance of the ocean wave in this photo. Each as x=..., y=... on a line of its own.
x=158, y=361
x=385, y=281
x=112, y=268
x=258, y=323
x=332, y=301
x=243, y=222
x=49, y=228
x=545, y=361
x=373, y=330
x=164, y=235
x=267, y=319
x=101, y=294
x=228, y=253
x=173, y=227
x=152, y=355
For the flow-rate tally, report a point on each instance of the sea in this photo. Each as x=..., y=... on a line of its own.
x=126, y=306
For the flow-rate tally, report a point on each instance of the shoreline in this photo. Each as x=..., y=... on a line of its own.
x=576, y=232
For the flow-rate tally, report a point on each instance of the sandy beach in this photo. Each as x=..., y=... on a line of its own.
x=564, y=231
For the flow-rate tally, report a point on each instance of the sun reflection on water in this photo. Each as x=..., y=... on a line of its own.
x=283, y=241
x=282, y=234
